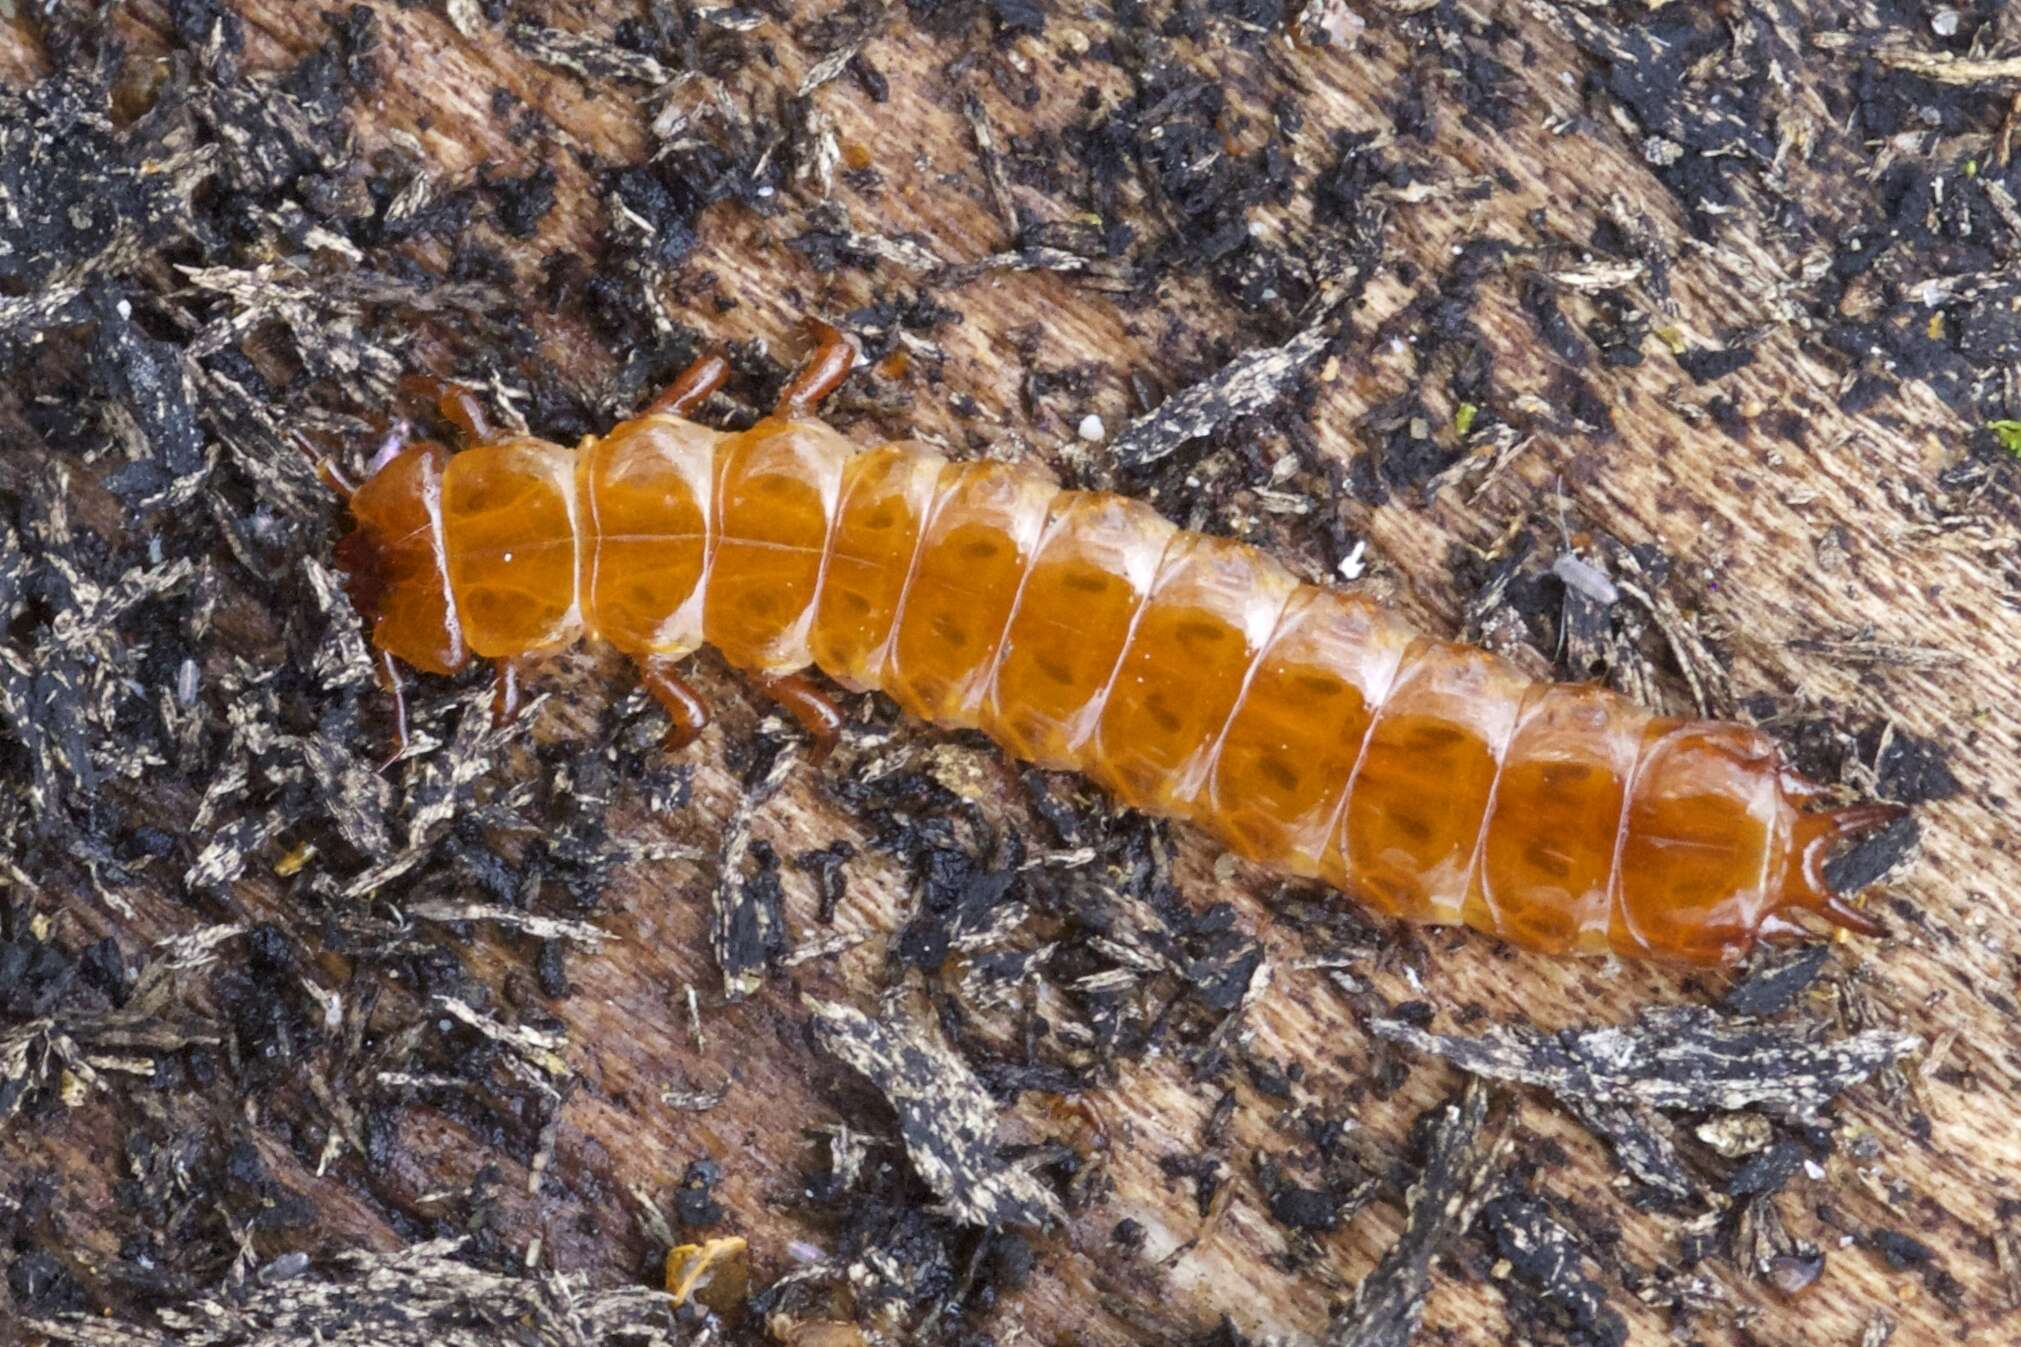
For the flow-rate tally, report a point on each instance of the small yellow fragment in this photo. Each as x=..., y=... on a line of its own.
x=1463, y=419
x=72, y=1090
x=822, y=1333
x=715, y=1275
x=292, y=863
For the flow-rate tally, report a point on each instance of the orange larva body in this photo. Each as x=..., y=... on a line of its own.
x=1190, y=675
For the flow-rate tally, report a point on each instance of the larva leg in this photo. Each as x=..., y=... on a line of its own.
x=396, y=689
x=333, y=479
x=458, y=405
x=392, y=439
x=819, y=374
x=508, y=691
x=684, y=706
x=809, y=705
x=692, y=388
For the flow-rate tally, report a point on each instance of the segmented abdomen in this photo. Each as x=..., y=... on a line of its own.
x=1188, y=674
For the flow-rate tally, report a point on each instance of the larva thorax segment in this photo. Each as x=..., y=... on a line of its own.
x=647, y=492
x=776, y=490
x=475, y=553
x=512, y=544
x=885, y=497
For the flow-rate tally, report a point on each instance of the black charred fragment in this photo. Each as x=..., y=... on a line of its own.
x=1904, y=1252
x=1641, y=1141
x=1901, y=1251
x=1864, y=862
x=1551, y=1296
x=824, y=865
x=1775, y=980
x=1673, y=1058
x=1766, y=1172
x=1305, y=1209
x=1018, y=16
x=695, y=1206
x=1911, y=770
x=1463, y=1156
x=1705, y=366
x=1540, y=301
x=145, y=377
x=945, y=1118
x=749, y=934
x=960, y=908
x=747, y=920
x=1203, y=1172
x=43, y=1287
x=1243, y=387
x=83, y=200
x=436, y=1293
x=523, y=202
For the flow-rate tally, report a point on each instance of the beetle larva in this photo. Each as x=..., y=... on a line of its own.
x=1188, y=674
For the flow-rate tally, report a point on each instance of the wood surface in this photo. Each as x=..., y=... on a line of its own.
x=1823, y=563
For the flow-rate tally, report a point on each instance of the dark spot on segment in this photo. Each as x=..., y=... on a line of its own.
x=1087, y=581
x=1320, y=686
x=1200, y=632
x=1413, y=826
x=1279, y=772
x=1546, y=859
x=1559, y=775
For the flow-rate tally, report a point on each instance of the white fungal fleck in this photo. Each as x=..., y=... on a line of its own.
x=1585, y=577
x=1351, y=565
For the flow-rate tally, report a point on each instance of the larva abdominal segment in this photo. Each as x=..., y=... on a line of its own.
x=1190, y=675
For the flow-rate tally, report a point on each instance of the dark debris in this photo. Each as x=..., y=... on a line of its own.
x=1775, y=980
x=947, y=1120
x=1552, y=1297
x=1463, y=1155
x=1673, y=1058
x=427, y=1295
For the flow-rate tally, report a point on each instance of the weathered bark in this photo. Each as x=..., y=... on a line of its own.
x=1474, y=201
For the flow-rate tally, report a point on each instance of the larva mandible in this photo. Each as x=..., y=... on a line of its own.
x=1189, y=675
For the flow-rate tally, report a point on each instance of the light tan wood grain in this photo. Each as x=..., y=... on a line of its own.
x=1746, y=519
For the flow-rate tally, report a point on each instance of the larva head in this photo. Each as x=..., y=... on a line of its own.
x=394, y=566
